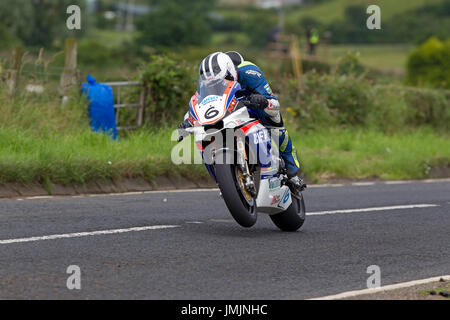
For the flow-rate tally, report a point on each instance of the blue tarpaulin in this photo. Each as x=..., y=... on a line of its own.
x=101, y=107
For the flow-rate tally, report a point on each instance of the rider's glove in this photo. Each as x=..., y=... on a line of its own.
x=181, y=129
x=256, y=101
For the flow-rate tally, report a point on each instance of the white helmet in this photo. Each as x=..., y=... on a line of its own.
x=217, y=66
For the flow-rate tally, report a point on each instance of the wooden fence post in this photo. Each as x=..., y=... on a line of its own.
x=141, y=110
x=14, y=72
x=296, y=57
x=69, y=75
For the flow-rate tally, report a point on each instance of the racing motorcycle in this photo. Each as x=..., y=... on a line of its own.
x=241, y=157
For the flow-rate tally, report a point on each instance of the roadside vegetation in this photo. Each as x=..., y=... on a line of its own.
x=343, y=126
x=374, y=110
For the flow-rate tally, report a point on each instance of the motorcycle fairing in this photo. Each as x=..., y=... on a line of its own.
x=216, y=106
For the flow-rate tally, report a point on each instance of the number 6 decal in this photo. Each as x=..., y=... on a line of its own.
x=211, y=113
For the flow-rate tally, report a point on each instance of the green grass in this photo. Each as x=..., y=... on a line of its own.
x=329, y=11
x=382, y=57
x=82, y=156
x=362, y=154
x=436, y=290
x=229, y=38
x=112, y=38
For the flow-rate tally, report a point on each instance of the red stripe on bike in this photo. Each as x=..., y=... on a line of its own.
x=249, y=126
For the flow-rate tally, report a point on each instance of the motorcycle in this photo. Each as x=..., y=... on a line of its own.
x=240, y=156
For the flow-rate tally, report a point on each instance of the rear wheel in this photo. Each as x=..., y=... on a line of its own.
x=239, y=201
x=293, y=217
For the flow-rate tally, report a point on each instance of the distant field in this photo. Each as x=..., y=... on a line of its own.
x=383, y=57
x=329, y=11
x=112, y=38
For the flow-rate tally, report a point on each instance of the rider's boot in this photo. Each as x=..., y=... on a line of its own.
x=297, y=183
x=289, y=155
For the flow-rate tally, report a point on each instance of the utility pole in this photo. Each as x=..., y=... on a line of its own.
x=14, y=72
x=130, y=16
x=281, y=16
x=69, y=76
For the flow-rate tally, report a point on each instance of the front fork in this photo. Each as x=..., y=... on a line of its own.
x=242, y=162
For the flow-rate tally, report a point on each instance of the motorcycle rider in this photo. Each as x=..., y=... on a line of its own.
x=261, y=101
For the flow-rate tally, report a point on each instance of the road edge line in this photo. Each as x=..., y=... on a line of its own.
x=168, y=191
x=390, y=287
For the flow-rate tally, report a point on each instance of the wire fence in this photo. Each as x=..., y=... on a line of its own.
x=35, y=74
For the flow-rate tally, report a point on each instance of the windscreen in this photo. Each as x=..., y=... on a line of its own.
x=207, y=88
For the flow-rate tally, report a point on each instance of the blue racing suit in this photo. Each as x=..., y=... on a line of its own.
x=252, y=80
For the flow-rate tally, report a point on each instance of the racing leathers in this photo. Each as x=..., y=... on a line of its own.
x=251, y=78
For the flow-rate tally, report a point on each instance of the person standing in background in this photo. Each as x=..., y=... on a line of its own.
x=312, y=36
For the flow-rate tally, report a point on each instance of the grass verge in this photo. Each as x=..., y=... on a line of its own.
x=363, y=154
x=83, y=156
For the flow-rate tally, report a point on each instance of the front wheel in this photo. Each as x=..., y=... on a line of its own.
x=240, y=203
x=293, y=217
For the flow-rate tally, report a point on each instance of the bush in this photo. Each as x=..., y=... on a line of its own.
x=171, y=83
x=344, y=97
x=429, y=64
x=91, y=52
x=349, y=64
x=40, y=22
x=259, y=26
x=227, y=22
x=7, y=40
x=330, y=100
x=427, y=107
x=176, y=23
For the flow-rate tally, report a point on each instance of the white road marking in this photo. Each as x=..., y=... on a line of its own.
x=390, y=287
x=134, y=193
x=222, y=220
x=435, y=180
x=181, y=190
x=86, y=234
x=156, y=227
x=39, y=197
x=399, y=182
x=333, y=185
x=363, y=184
x=413, y=206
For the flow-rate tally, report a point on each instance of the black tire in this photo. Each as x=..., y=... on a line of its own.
x=243, y=212
x=293, y=218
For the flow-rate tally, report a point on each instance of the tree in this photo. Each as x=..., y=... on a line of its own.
x=259, y=27
x=37, y=22
x=176, y=23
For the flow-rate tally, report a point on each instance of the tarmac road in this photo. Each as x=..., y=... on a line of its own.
x=184, y=245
